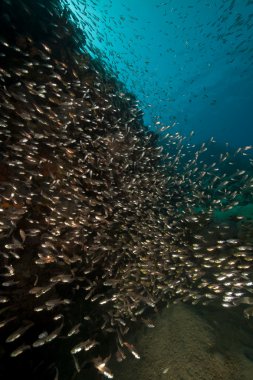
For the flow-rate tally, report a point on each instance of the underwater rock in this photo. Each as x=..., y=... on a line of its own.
x=99, y=222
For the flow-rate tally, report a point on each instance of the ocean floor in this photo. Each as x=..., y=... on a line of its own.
x=192, y=343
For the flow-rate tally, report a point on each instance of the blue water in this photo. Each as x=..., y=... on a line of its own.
x=190, y=63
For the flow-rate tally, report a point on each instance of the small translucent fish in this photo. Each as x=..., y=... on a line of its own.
x=232, y=241
x=100, y=365
x=4, y=299
x=38, y=291
x=132, y=349
x=54, y=334
x=76, y=363
x=10, y=283
x=16, y=334
x=120, y=356
x=86, y=345
x=20, y=350
x=4, y=322
x=43, y=335
x=50, y=304
x=22, y=235
x=56, y=374
x=58, y=316
x=247, y=147
x=74, y=330
x=148, y=323
x=62, y=278
x=4, y=309
x=39, y=342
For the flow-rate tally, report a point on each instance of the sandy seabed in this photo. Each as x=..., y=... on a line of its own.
x=190, y=343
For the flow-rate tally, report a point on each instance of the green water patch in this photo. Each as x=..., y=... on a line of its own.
x=245, y=211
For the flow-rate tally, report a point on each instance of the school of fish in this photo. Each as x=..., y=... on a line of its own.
x=101, y=220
